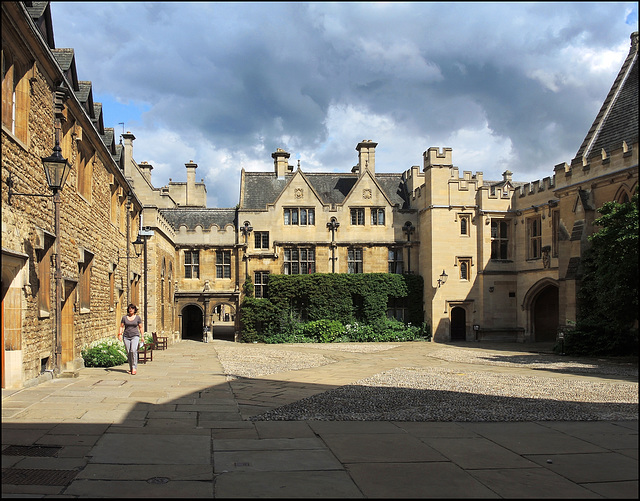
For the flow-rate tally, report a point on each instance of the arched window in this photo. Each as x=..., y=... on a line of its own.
x=464, y=271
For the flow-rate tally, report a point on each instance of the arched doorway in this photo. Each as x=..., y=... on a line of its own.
x=545, y=314
x=223, y=321
x=458, y=324
x=192, y=323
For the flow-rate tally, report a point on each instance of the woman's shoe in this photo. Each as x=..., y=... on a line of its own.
x=133, y=372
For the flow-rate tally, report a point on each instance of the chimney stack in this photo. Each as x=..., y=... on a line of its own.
x=281, y=162
x=146, y=168
x=191, y=183
x=366, y=156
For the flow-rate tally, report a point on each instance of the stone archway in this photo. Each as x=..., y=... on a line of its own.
x=458, y=324
x=192, y=322
x=223, y=321
x=545, y=314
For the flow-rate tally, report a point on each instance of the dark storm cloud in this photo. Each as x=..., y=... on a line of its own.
x=228, y=83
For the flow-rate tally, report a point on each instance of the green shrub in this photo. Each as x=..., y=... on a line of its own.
x=104, y=353
x=257, y=315
x=390, y=330
x=323, y=331
x=358, y=332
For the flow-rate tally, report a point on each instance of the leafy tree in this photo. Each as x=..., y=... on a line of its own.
x=607, y=320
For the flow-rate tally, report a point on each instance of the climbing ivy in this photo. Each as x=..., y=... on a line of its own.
x=348, y=299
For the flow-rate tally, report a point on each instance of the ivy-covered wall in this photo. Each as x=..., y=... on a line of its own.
x=347, y=298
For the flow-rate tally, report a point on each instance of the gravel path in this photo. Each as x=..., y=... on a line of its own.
x=443, y=394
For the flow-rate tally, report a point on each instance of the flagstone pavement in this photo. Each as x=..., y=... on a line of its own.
x=184, y=428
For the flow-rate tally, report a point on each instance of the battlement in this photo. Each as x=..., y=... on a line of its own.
x=467, y=176
x=599, y=163
x=413, y=179
x=434, y=157
x=535, y=187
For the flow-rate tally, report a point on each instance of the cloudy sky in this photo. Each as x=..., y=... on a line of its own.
x=506, y=85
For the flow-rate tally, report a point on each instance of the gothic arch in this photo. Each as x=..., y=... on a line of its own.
x=192, y=321
x=541, y=303
x=458, y=326
x=624, y=193
x=534, y=290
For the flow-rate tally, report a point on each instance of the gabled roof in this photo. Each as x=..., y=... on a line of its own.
x=199, y=217
x=67, y=61
x=263, y=188
x=617, y=120
x=372, y=177
x=85, y=96
x=98, y=120
x=108, y=138
x=291, y=178
x=40, y=13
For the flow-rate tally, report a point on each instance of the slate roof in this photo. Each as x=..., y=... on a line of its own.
x=617, y=119
x=83, y=91
x=64, y=57
x=199, y=217
x=108, y=137
x=36, y=9
x=263, y=188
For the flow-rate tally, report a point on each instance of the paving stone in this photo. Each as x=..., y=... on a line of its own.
x=137, y=489
x=275, y=460
x=289, y=484
x=477, y=452
x=362, y=447
x=594, y=467
x=530, y=483
x=416, y=480
x=151, y=449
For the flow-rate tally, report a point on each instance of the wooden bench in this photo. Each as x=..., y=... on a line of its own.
x=160, y=342
x=145, y=352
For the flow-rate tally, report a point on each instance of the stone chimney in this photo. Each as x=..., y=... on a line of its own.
x=146, y=168
x=506, y=175
x=366, y=156
x=127, y=144
x=281, y=162
x=191, y=183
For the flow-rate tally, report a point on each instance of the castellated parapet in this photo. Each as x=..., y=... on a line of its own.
x=598, y=164
x=535, y=187
x=433, y=157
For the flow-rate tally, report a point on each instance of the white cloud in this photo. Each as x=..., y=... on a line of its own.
x=226, y=83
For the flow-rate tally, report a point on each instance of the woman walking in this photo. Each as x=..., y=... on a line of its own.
x=131, y=333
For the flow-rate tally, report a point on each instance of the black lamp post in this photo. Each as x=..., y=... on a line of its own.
x=56, y=169
x=443, y=279
x=408, y=228
x=246, y=230
x=140, y=246
x=333, y=225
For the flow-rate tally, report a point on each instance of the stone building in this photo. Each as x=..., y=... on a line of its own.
x=42, y=98
x=500, y=259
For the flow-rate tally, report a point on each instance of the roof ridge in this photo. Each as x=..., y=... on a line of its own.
x=612, y=96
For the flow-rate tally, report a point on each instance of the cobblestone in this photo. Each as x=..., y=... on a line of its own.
x=439, y=394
